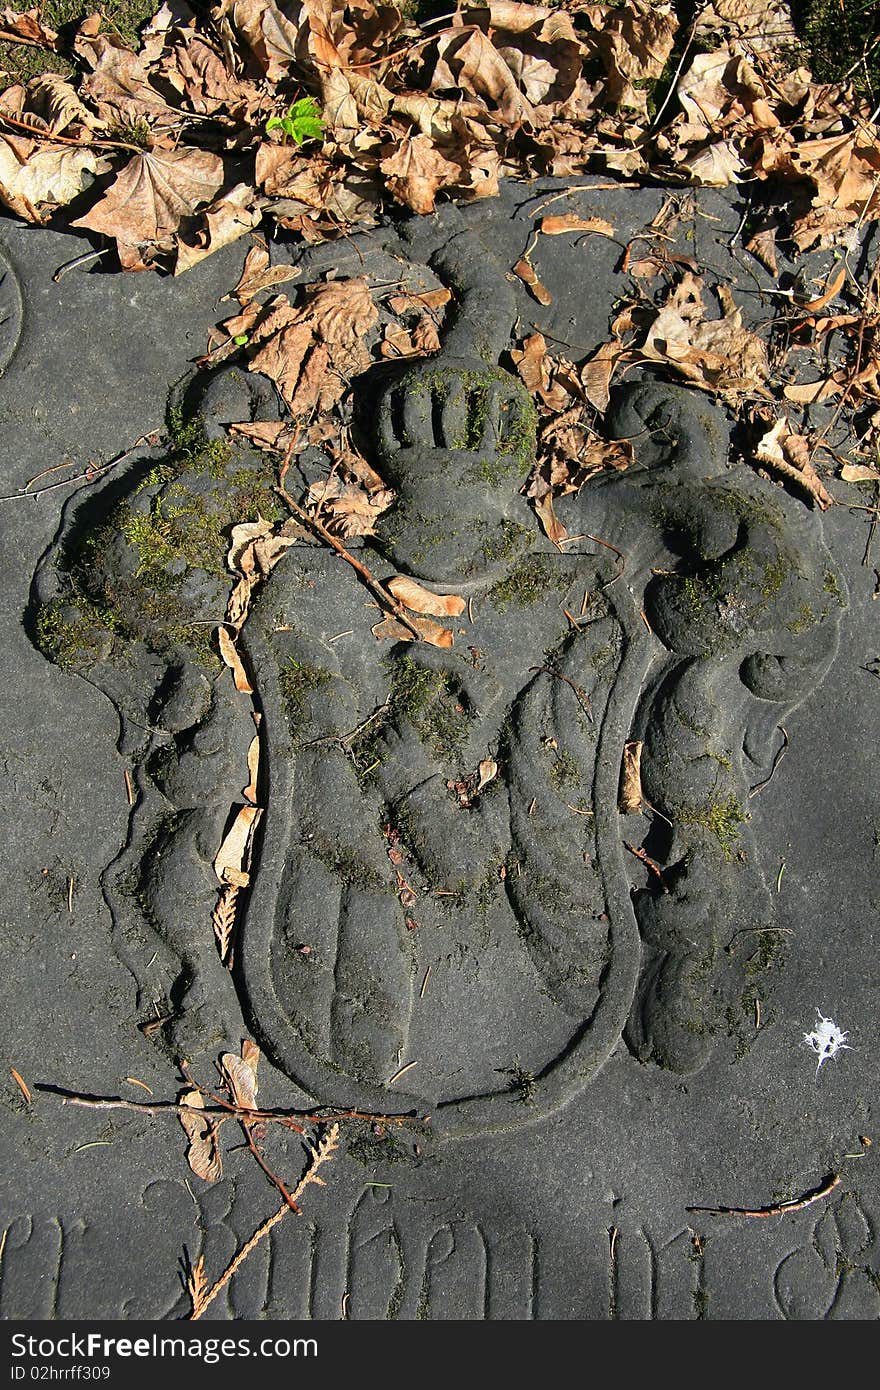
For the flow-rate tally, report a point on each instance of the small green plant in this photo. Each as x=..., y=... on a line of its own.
x=301, y=122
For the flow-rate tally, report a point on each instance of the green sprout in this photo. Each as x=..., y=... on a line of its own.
x=301, y=122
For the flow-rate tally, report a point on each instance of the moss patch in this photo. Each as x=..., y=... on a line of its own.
x=298, y=680
x=155, y=565
x=528, y=582
x=721, y=818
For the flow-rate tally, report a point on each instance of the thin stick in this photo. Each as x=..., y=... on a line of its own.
x=319, y=1156
x=582, y=698
x=386, y=600
x=88, y=475
x=172, y=1107
x=780, y=1209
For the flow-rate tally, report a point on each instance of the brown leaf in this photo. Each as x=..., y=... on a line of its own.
x=225, y=221
x=859, y=473
x=788, y=454
x=416, y=171
x=571, y=222
x=257, y=274
x=153, y=193
x=203, y=1154
x=553, y=527
x=532, y=363
x=420, y=600
x=806, y=393
x=529, y=276
x=630, y=798
x=390, y=629
x=231, y=658
x=27, y=25
x=253, y=761
x=763, y=247
x=241, y=1075
x=35, y=182
x=232, y=854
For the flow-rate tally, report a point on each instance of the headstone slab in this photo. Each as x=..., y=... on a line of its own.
x=541, y=979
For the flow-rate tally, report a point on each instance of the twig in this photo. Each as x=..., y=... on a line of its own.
x=780, y=1209
x=387, y=601
x=647, y=860
x=582, y=697
x=88, y=475
x=318, y=1157
x=172, y=1107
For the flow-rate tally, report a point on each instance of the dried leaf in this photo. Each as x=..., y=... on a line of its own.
x=231, y=658
x=154, y=192
x=420, y=600
x=630, y=798
x=487, y=772
x=257, y=274
x=788, y=454
x=391, y=629
x=859, y=473
x=203, y=1154
x=241, y=1074
x=810, y=391
x=570, y=222
x=416, y=171
x=253, y=761
x=36, y=182
x=553, y=527
x=529, y=276
x=229, y=865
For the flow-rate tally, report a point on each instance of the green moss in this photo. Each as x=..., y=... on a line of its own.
x=769, y=953
x=804, y=619
x=71, y=636
x=508, y=542
x=523, y=1083
x=298, y=680
x=831, y=586
x=564, y=769
x=345, y=862
x=126, y=574
x=721, y=818
x=528, y=582
x=430, y=700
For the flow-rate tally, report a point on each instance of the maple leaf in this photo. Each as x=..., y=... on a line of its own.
x=151, y=195
x=37, y=180
x=416, y=171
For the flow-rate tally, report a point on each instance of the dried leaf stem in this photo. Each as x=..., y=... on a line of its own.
x=780, y=1208
x=319, y=1155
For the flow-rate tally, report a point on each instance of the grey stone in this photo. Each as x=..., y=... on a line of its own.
x=587, y=1042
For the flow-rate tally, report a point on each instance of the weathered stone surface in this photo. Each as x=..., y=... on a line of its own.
x=586, y=1041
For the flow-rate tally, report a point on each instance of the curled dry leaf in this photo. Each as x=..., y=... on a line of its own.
x=203, y=1154
x=232, y=856
x=859, y=473
x=253, y=761
x=487, y=772
x=225, y=221
x=36, y=181
x=571, y=222
x=231, y=658
x=150, y=197
x=788, y=455
x=391, y=629
x=630, y=797
x=529, y=276
x=421, y=600
x=241, y=1075
x=416, y=171
x=257, y=274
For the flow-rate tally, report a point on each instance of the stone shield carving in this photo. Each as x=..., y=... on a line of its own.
x=418, y=934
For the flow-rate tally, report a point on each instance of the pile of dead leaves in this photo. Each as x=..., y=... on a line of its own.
x=172, y=151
